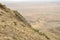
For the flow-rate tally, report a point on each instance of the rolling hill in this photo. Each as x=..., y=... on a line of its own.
x=13, y=26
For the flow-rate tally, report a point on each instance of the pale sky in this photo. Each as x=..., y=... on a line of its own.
x=27, y=0
x=12, y=1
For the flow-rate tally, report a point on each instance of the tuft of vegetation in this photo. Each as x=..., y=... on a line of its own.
x=15, y=23
x=21, y=18
x=3, y=20
x=41, y=33
x=3, y=7
x=0, y=14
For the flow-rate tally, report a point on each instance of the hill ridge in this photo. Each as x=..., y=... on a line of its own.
x=13, y=26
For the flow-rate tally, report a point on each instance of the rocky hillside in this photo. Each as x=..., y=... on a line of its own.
x=13, y=26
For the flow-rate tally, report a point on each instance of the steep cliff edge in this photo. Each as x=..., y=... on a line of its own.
x=13, y=26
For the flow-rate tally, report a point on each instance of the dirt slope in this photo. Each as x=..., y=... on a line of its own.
x=13, y=26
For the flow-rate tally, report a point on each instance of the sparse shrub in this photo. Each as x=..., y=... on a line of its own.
x=3, y=21
x=15, y=23
x=36, y=30
x=0, y=14
x=2, y=6
x=21, y=18
x=23, y=25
